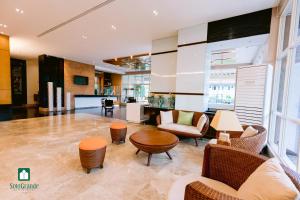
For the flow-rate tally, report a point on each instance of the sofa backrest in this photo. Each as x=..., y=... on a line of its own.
x=196, y=117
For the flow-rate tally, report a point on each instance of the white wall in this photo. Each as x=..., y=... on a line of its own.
x=192, y=72
x=184, y=71
x=32, y=73
x=163, y=66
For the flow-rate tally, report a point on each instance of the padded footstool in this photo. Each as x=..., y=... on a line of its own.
x=92, y=152
x=118, y=132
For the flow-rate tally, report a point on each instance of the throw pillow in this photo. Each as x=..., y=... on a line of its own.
x=166, y=117
x=201, y=122
x=185, y=118
x=270, y=182
x=250, y=131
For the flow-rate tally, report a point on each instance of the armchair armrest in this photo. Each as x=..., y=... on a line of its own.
x=158, y=120
x=229, y=165
x=198, y=190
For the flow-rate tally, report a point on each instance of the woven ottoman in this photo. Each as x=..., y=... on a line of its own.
x=118, y=132
x=92, y=152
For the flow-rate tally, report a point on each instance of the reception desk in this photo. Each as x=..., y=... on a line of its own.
x=91, y=101
x=135, y=112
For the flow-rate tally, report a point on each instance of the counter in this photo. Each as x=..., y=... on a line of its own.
x=91, y=101
x=135, y=112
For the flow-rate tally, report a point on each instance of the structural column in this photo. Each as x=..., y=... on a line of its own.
x=5, y=78
x=192, y=71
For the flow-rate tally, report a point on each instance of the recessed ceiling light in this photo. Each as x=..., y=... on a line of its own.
x=18, y=10
x=155, y=12
x=84, y=37
x=113, y=27
x=3, y=25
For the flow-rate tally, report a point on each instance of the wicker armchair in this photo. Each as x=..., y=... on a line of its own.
x=253, y=143
x=231, y=166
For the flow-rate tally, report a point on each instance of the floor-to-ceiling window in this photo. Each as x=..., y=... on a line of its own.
x=222, y=88
x=284, y=137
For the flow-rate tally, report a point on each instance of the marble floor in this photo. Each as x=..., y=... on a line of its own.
x=49, y=147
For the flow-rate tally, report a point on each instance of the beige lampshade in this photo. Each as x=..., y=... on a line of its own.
x=225, y=120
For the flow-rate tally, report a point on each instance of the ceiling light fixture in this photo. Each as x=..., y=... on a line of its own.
x=113, y=27
x=131, y=57
x=18, y=10
x=3, y=25
x=84, y=37
x=155, y=12
x=116, y=59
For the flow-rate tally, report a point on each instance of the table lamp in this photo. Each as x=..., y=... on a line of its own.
x=225, y=120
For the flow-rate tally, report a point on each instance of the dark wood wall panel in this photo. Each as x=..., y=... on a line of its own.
x=240, y=26
x=18, y=82
x=51, y=69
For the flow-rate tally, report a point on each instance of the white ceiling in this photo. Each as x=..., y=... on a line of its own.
x=135, y=22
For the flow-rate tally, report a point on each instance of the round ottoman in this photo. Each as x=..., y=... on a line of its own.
x=118, y=132
x=92, y=152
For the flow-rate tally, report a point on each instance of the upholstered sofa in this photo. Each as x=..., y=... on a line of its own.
x=224, y=170
x=253, y=143
x=184, y=130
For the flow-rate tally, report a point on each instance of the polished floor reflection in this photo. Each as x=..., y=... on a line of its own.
x=32, y=112
x=49, y=147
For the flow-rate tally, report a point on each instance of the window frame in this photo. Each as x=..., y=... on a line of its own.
x=293, y=7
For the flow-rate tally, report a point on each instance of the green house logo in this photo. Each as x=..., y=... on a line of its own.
x=23, y=174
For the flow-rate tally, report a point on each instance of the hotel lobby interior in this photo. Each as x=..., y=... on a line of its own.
x=150, y=100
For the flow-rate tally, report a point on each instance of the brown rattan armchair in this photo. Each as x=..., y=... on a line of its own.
x=231, y=166
x=253, y=143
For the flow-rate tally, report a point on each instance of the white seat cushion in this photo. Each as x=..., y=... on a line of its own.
x=270, y=182
x=178, y=188
x=213, y=141
x=181, y=128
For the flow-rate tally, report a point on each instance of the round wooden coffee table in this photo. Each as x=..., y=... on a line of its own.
x=153, y=142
